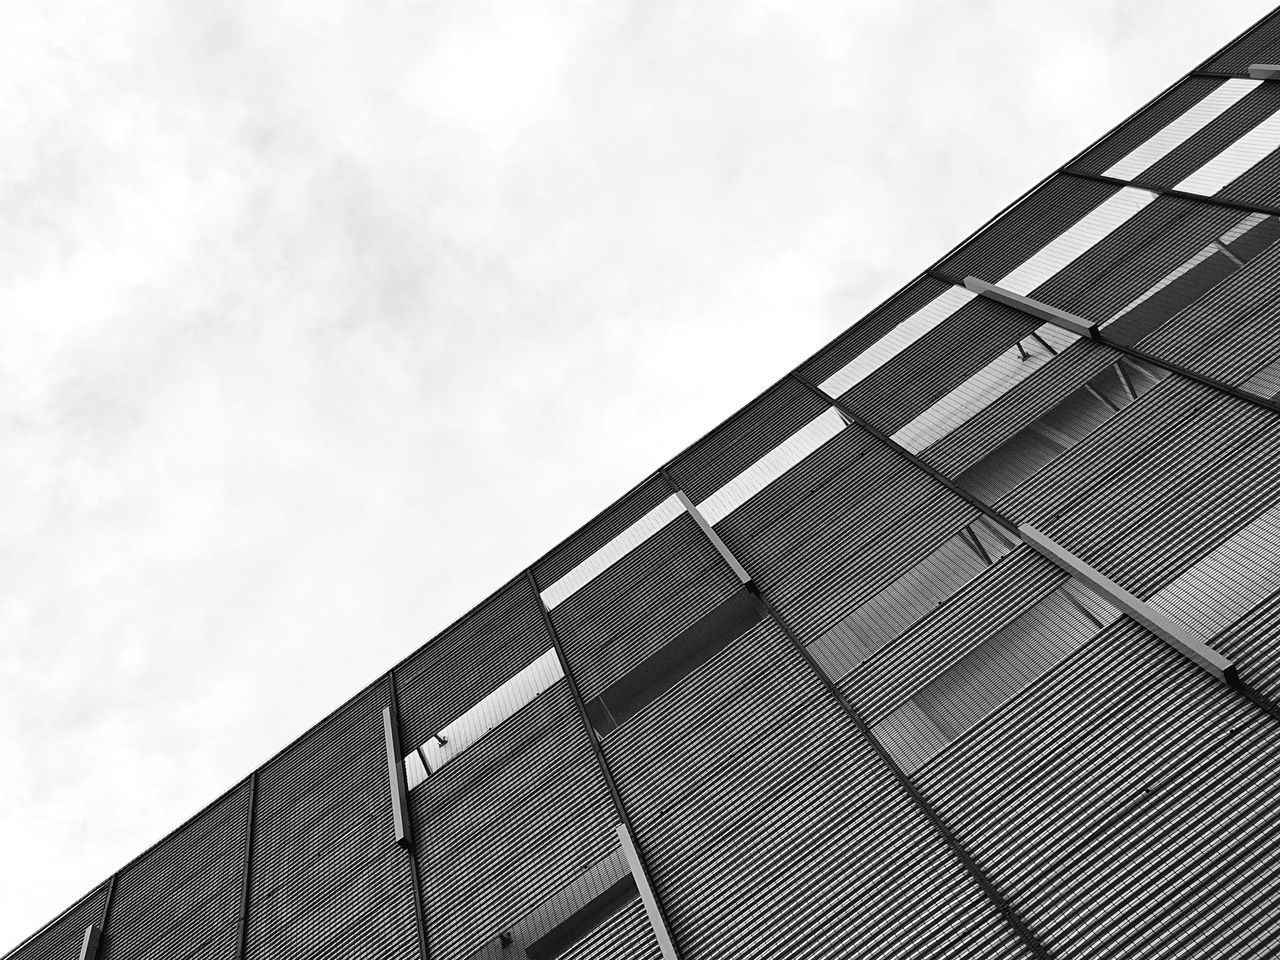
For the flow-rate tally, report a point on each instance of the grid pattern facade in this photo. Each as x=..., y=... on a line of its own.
x=962, y=639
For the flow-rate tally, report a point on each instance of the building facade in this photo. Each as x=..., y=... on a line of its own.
x=961, y=640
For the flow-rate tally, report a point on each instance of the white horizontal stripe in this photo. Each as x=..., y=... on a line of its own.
x=1236, y=160
x=771, y=466
x=896, y=340
x=1087, y=232
x=497, y=706
x=1159, y=145
x=982, y=389
x=1173, y=275
x=613, y=551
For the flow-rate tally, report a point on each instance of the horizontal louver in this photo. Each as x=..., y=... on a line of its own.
x=640, y=603
x=469, y=661
x=508, y=823
x=1126, y=803
x=991, y=601
x=765, y=817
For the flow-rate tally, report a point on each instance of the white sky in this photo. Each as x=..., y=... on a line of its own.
x=320, y=319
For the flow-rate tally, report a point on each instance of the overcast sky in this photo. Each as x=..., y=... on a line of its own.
x=321, y=319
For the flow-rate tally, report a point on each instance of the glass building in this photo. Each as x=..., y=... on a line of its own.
x=961, y=640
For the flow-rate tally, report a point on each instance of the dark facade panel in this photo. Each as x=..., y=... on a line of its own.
x=1257, y=186
x=773, y=830
x=1127, y=803
x=1125, y=265
x=62, y=936
x=938, y=362
x=744, y=438
x=642, y=602
x=1000, y=420
x=610, y=522
x=866, y=331
x=839, y=527
x=990, y=602
x=182, y=900
x=1261, y=44
x=1027, y=228
x=1253, y=642
x=506, y=824
x=1216, y=136
x=1181, y=494
x=328, y=878
x=625, y=936
x=1136, y=131
x=469, y=660
x=1231, y=332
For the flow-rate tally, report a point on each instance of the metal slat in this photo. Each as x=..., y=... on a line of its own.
x=742, y=828
x=328, y=878
x=1124, y=824
x=184, y=897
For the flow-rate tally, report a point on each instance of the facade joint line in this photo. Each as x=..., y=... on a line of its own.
x=663, y=934
x=409, y=844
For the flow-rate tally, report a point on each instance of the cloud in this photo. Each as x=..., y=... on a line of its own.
x=323, y=319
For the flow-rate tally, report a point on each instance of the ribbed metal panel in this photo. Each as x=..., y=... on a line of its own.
x=1229, y=581
x=1253, y=642
x=938, y=362
x=1043, y=438
x=1216, y=136
x=1027, y=228
x=1015, y=365
x=60, y=938
x=625, y=936
x=1265, y=381
x=1181, y=100
x=772, y=466
x=1257, y=184
x=772, y=830
x=643, y=601
x=744, y=438
x=1184, y=491
x=1233, y=330
x=1128, y=804
x=508, y=823
x=608, y=524
x=1260, y=45
x=839, y=528
x=993, y=673
x=328, y=878
x=1124, y=266
x=988, y=603
x=469, y=660
x=887, y=615
x=872, y=328
x=993, y=425
x=183, y=898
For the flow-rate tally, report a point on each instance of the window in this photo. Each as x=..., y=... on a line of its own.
x=1187, y=282
x=662, y=670
x=554, y=926
x=1229, y=581
x=1077, y=240
x=1059, y=428
x=1236, y=160
x=1147, y=154
x=502, y=703
x=983, y=388
x=992, y=674
x=941, y=307
x=889, y=614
